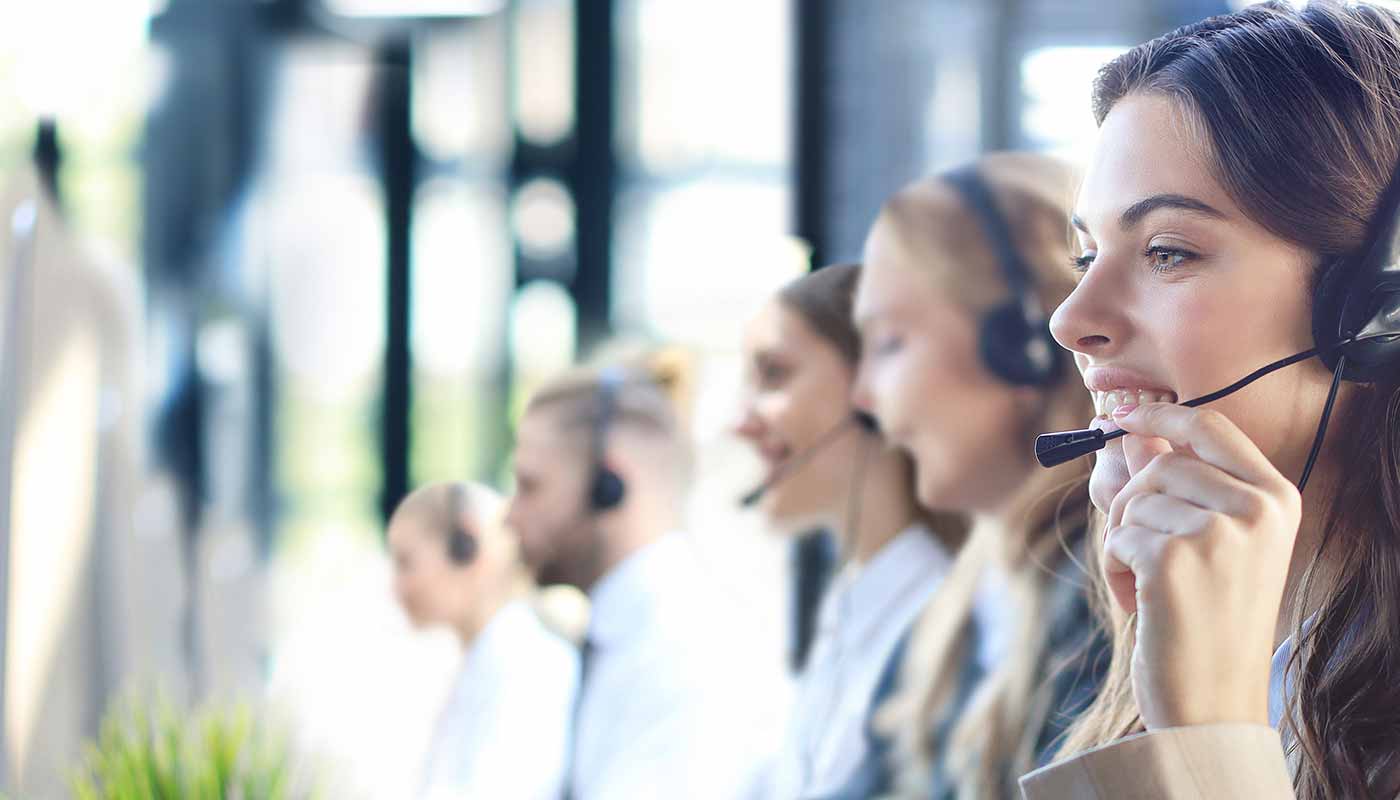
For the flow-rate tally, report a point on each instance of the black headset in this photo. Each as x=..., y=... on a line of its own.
x=1356, y=304
x=606, y=488
x=1014, y=337
x=461, y=546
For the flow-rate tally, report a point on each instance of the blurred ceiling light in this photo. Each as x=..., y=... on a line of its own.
x=61, y=67
x=461, y=259
x=542, y=329
x=414, y=8
x=221, y=351
x=1056, y=114
x=543, y=48
x=543, y=215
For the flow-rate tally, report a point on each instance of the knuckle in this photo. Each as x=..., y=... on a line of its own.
x=1164, y=462
x=1254, y=506
x=1172, y=551
x=1209, y=423
x=1215, y=535
x=1291, y=499
x=1135, y=506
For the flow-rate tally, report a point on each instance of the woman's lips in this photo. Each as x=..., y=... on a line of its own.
x=1106, y=402
x=1112, y=387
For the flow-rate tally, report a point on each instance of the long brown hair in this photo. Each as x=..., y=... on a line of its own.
x=1300, y=111
x=824, y=298
x=991, y=740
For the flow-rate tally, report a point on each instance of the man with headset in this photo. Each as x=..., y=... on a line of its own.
x=504, y=730
x=676, y=700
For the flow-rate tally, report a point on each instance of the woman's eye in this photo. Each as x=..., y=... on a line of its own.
x=770, y=374
x=1081, y=263
x=889, y=344
x=1164, y=259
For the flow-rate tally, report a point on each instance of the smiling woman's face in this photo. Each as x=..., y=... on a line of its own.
x=1181, y=294
x=798, y=389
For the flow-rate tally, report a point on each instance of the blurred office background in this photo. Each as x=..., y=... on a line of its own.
x=294, y=257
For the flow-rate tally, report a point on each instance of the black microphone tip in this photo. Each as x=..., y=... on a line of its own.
x=751, y=499
x=1054, y=449
x=867, y=422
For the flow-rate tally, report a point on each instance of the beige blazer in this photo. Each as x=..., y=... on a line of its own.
x=1202, y=762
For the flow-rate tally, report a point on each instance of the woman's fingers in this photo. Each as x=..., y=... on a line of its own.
x=1138, y=451
x=1209, y=435
x=1181, y=475
x=1168, y=514
x=1130, y=555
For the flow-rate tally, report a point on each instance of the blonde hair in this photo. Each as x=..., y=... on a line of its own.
x=651, y=395
x=992, y=739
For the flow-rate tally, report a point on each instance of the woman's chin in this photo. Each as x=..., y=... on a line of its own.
x=790, y=516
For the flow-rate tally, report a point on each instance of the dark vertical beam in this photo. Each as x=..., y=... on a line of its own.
x=262, y=483
x=593, y=175
x=1001, y=75
x=813, y=559
x=48, y=156
x=812, y=124
x=397, y=172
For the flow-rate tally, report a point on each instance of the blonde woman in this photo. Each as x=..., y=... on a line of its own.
x=456, y=566
x=957, y=365
x=826, y=468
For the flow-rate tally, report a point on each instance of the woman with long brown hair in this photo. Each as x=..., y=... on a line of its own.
x=828, y=469
x=1235, y=212
x=959, y=368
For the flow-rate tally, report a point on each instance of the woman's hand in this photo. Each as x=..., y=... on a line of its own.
x=1198, y=543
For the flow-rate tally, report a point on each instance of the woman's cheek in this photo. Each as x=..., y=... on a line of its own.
x=895, y=393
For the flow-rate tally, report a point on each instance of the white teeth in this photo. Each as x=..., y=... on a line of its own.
x=1105, y=403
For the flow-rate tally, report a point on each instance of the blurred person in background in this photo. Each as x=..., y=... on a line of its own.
x=829, y=467
x=677, y=698
x=504, y=731
x=961, y=272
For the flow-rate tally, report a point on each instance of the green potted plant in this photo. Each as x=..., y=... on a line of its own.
x=218, y=753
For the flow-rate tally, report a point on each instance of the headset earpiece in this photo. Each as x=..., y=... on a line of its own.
x=1357, y=301
x=606, y=489
x=461, y=547
x=1016, y=348
x=1014, y=337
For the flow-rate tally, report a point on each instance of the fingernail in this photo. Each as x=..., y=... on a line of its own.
x=1124, y=410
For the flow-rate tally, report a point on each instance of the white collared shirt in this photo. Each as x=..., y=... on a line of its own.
x=505, y=730
x=1278, y=691
x=678, y=700
x=865, y=613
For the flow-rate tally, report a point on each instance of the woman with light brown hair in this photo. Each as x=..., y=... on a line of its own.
x=831, y=468
x=961, y=270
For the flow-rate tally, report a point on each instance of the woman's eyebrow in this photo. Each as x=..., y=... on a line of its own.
x=1135, y=213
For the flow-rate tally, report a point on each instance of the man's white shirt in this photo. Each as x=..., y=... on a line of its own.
x=505, y=730
x=678, y=699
